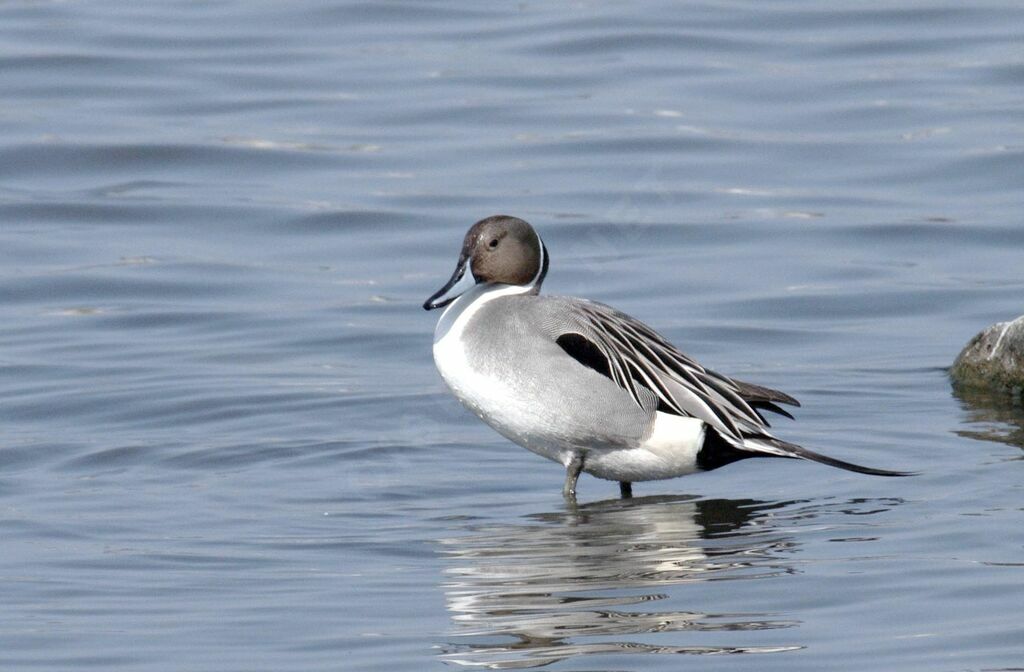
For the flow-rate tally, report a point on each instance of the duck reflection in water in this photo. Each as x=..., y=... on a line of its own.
x=626, y=576
x=523, y=593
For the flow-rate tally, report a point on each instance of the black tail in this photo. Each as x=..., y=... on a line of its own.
x=781, y=448
x=718, y=452
x=807, y=454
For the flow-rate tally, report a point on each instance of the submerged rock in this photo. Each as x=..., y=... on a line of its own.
x=993, y=359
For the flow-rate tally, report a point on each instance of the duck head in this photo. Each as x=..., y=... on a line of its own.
x=497, y=250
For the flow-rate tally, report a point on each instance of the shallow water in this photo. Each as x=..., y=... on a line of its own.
x=223, y=443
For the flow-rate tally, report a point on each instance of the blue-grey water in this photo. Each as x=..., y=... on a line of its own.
x=223, y=442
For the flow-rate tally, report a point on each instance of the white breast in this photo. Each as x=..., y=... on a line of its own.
x=490, y=397
x=473, y=388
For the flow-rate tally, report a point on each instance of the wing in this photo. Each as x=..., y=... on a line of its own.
x=634, y=356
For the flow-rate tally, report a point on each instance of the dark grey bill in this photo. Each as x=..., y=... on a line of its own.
x=461, y=280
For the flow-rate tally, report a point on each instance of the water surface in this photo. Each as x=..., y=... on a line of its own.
x=223, y=444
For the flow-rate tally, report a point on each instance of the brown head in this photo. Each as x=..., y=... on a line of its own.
x=497, y=250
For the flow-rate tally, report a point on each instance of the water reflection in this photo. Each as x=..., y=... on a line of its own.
x=992, y=416
x=585, y=580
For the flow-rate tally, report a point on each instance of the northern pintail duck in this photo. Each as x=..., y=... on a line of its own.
x=585, y=385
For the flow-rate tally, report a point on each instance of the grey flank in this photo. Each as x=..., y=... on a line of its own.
x=514, y=339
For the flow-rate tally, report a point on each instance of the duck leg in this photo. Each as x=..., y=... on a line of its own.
x=572, y=473
x=626, y=489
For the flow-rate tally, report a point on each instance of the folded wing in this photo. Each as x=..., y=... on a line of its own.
x=634, y=356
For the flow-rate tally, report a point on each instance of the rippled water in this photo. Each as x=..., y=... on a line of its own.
x=223, y=444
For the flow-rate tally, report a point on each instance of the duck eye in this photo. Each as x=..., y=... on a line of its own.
x=493, y=244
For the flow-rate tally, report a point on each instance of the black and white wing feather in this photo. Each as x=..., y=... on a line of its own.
x=636, y=356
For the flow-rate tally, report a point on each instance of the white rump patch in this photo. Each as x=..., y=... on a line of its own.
x=670, y=451
x=675, y=434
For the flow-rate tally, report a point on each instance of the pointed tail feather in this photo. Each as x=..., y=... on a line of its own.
x=779, y=448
